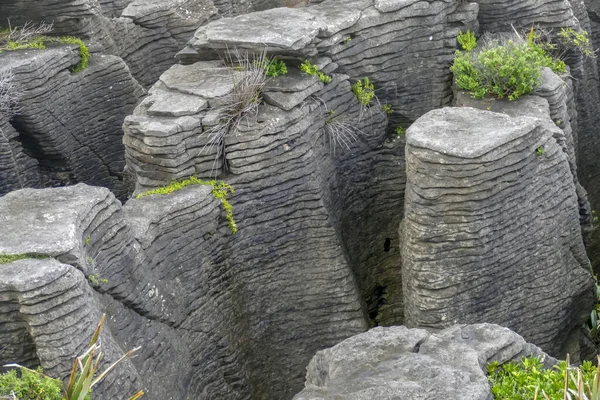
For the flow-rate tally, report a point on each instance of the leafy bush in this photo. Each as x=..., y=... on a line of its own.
x=29, y=385
x=30, y=36
x=508, y=70
x=387, y=109
x=220, y=191
x=528, y=379
x=400, y=130
x=579, y=41
x=276, y=68
x=364, y=91
x=313, y=69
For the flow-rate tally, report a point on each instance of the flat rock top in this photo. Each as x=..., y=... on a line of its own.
x=45, y=221
x=466, y=132
x=29, y=274
x=284, y=28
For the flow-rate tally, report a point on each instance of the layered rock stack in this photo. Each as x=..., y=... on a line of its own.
x=491, y=230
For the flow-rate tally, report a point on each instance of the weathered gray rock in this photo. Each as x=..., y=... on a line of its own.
x=486, y=196
x=70, y=123
x=146, y=34
x=17, y=169
x=400, y=363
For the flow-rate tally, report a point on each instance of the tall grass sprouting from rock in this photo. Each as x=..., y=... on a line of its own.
x=9, y=95
x=249, y=77
x=82, y=380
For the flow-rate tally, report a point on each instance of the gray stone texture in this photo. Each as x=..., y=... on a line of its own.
x=398, y=363
x=491, y=224
x=68, y=129
x=146, y=34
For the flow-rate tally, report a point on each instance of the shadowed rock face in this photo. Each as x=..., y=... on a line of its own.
x=399, y=363
x=491, y=205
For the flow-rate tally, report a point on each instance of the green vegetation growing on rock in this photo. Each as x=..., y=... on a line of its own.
x=387, y=109
x=400, y=130
x=276, y=68
x=508, y=70
x=29, y=385
x=220, y=191
x=528, y=379
x=364, y=91
x=31, y=36
x=8, y=258
x=313, y=69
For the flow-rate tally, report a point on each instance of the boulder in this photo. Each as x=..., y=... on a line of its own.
x=491, y=230
x=399, y=363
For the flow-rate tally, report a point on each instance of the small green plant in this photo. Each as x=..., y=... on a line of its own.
x=87, y=240
x=467, y=40
x=275, y=68
x=31, y=36
x=528, y=379
x=364, y=91
x=313, y=69
x=346, y=40
x=220, y=191
x=8, y=258
x=387, y=109
x=540, y=151
x=400, y=130
x=558, y=122
x=595, y=220
x=97, y=280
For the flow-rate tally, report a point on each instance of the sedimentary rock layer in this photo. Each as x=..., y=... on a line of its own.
x=491, y=222
x=400, y=363
x=70, y=123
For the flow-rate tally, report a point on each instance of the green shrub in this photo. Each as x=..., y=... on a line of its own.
x=364, y=91
x=579, y=41
x=276, y=68
x=313, y=69
x=220, y=191
x=510, y=70
x=29, y=385
x=400, y=130
x=528, y=379
x=467, y=40
x=387, y=109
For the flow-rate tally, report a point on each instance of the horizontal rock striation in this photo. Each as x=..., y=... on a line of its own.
x=492, y=222
x=405, y=48
x=69, y=123
x=145, y=34
x=400, y=363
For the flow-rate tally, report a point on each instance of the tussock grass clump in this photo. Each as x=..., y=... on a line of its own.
x=9, y=95
x=249, y=77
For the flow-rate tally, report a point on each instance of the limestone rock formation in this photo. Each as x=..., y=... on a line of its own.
x=145, y=34
x=399, y=363
x=491, y=222
x=68, y=129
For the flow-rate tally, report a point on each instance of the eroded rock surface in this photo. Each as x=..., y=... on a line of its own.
x=68, y=129
x=491, y=205
x=400, y=363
